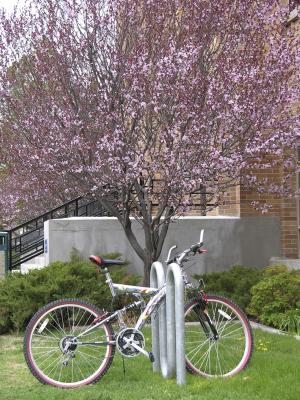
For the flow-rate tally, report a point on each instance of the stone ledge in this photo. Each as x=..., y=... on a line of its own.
x=291, y=263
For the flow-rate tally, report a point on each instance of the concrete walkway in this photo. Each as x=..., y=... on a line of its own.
x=265, y=328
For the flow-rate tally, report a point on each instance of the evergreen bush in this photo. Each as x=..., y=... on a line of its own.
x=235, y=283
x=276, y=299
x=22, y=295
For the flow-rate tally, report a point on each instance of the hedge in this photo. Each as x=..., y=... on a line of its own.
x=22, y=295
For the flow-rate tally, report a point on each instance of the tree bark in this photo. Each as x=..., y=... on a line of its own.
x=147, y=268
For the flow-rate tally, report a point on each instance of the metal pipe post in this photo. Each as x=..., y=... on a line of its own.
x=175, y=323
x=158, y=323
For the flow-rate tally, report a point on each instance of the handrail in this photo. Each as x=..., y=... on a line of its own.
x=23, y=248
x=14, y=234
x=42, y=215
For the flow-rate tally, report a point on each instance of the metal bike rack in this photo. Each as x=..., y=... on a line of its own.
x=158, y=323
x=168, y=328
x=175, y=322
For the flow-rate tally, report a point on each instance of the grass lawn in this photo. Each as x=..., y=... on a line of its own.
x=273, y=374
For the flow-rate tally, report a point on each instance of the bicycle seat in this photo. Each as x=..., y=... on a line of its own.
x=104, y=262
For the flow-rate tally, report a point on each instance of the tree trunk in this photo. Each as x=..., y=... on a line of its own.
x=153, y=233
x=147, y=268
x=154, y=242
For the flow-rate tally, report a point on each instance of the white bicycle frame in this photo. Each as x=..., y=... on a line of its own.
x=158, y=295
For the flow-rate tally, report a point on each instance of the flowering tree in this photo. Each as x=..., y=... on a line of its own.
x=142, y=102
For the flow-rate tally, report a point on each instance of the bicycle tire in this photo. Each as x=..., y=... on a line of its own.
x=225, y=356
x=51, y=327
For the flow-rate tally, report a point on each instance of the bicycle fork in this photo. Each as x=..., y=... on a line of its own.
x=206, y=322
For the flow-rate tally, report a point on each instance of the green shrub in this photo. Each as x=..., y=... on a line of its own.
x=274, y=270
x=22, y=295
x=276, y=299
x=234, y=283
x=288, y=321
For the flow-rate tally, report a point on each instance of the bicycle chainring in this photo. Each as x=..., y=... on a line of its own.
x=128, y=336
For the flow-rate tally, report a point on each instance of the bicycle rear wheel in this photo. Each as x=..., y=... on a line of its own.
x=57, y=353
x=225, y=353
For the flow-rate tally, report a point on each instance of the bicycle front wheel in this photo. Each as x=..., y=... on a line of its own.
x=222, y=349
x=59, y=352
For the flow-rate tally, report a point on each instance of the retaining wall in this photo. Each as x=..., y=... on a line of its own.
x=249, y=241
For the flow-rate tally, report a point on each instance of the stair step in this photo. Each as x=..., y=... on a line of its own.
x=34, y=263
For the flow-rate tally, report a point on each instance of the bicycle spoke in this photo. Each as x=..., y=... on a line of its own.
x=43, y=354
x=218, y=360
x=235, y=330
x=213, y=355
x=45, y=337
x=55, y=352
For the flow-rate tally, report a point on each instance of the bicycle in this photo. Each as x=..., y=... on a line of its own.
x=69, y=343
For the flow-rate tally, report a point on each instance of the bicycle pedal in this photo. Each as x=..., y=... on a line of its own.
x=151, y=357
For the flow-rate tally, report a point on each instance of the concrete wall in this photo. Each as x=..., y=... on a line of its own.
x=250, y=241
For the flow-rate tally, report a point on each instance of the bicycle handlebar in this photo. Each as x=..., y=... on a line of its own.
x=193, y=249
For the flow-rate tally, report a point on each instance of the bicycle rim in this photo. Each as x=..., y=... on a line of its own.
x=225, y=355
x=51, y=357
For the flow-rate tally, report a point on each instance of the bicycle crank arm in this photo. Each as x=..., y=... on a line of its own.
x=139, y=348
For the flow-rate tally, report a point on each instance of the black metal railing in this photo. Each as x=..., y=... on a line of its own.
x=26, y=241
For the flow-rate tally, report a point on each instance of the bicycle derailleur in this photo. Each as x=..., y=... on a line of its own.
x=68, y=346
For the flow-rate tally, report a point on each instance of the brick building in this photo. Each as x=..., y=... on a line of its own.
x=238, y=201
